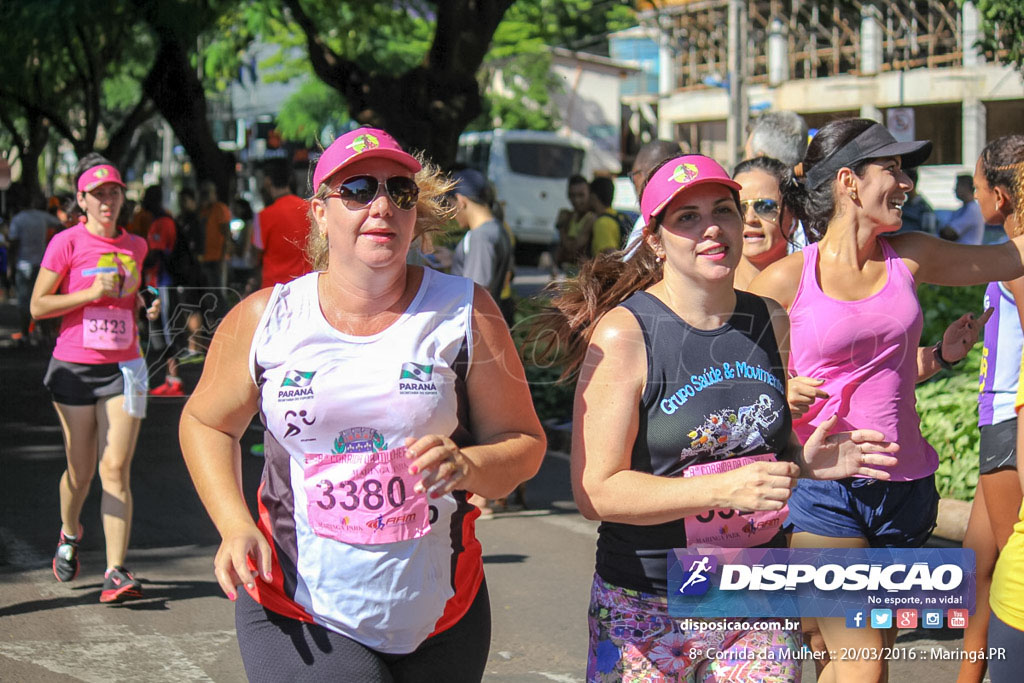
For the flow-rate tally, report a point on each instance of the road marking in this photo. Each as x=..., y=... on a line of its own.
x=108, y=655
x=559, y=678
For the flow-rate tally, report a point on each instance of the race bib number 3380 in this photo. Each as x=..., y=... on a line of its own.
x=364, y=498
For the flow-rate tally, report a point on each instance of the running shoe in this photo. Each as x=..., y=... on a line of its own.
x=119, y=584
x=191, y=357
x=65, y=560
x=168, y=388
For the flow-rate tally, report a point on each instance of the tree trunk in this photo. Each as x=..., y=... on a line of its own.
x=425, y=110
x=428, y=107
x=38, y=134
x=178, y=94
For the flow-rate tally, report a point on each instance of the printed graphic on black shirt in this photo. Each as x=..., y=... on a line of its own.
x=727, y=432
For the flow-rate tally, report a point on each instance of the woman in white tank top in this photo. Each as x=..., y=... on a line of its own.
x=388, y=393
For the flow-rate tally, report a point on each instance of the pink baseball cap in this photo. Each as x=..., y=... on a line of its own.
x=679, y=174
x=361, y=143
x=99, y=175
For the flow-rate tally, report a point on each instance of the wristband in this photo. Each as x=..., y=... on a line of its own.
x=943, y=363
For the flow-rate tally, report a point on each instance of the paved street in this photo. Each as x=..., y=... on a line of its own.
x=539, y=565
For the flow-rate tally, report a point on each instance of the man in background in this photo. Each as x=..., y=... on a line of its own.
x=280, y=233
x=606, y=235
x=918, y=214
x=647, y=159
x=966, y=225
x=28, y=238
x=574, y=225
x=484, y=254
x=216, y=218
x=781, y=135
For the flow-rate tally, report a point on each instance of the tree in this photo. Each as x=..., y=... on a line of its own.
x=176, y=89
x=427, y=104
x=95, y=73
x=1002, y=30
x=520, y=53
x=68, y=69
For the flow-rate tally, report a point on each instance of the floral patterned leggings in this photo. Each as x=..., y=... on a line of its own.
x=633, y=638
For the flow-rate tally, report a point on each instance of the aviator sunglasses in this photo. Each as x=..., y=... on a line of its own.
x=767, y=209
x=359, y=191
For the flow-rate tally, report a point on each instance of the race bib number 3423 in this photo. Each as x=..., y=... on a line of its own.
x=107, y=328
x=364, y=498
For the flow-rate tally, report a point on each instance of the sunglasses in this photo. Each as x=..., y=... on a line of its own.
x=765, y=208
x=359, y=191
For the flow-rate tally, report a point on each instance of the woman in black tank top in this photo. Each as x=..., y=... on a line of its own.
x=682, y=435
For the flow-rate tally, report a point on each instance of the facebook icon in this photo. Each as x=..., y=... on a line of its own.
x=855, y=618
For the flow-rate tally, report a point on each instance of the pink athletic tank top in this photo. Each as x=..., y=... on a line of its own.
x=866, y=351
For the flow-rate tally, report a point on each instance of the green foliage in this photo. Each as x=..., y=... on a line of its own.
x=1002, y=30
x=943, y=305
x=948, y=403
x=519, y=53
x=948, y=406
x=551, y=398
x=308, y=110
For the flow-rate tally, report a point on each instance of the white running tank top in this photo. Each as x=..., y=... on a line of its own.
x=322, y=391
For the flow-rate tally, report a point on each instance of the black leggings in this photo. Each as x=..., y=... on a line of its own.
x=276, y=648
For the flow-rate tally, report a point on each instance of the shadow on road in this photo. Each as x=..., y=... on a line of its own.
x=157, y=595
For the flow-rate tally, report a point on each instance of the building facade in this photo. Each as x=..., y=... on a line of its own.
x=911, y=63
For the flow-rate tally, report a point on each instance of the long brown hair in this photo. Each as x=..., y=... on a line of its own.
x=561, y=332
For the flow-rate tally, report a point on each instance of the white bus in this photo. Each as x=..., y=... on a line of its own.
x=530, y=170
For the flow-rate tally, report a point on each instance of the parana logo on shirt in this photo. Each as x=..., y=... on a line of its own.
x=296, y=385
x=416, y=378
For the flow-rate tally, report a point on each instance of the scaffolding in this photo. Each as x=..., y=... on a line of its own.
x=821, y=39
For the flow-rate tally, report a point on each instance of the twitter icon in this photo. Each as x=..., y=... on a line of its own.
x=881, y=618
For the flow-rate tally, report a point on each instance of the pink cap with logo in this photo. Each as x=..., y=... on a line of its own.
x=361, y=143
x=99, y=175
x=679, y=174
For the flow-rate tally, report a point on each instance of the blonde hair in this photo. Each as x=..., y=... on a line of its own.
x=433, y=209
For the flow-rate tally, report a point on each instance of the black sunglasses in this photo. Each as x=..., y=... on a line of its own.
x=359, y=191
x=765, y=208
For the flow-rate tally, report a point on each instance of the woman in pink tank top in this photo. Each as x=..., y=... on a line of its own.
x=89, y=278
x=856, y=325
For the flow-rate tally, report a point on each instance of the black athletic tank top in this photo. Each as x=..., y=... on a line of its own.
x=710, y=396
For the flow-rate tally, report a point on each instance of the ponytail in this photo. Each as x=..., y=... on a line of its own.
x=562, y=331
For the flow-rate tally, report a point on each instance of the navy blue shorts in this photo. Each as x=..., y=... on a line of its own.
x=897, y=514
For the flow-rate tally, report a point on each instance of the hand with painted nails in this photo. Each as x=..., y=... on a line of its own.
x=443, y=464
x=962, y=334
x=846, y=454
x=237, y=550
x=802, y=392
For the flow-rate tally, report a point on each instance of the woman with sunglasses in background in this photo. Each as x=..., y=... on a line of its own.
x=856, y=323
x=388, y=393
x=766, y=188
x=90, y=279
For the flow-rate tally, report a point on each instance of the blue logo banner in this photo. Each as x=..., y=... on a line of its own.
x=818, y=582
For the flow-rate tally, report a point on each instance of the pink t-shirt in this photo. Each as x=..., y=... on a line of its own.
x=102, y=331
x=866, y=351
